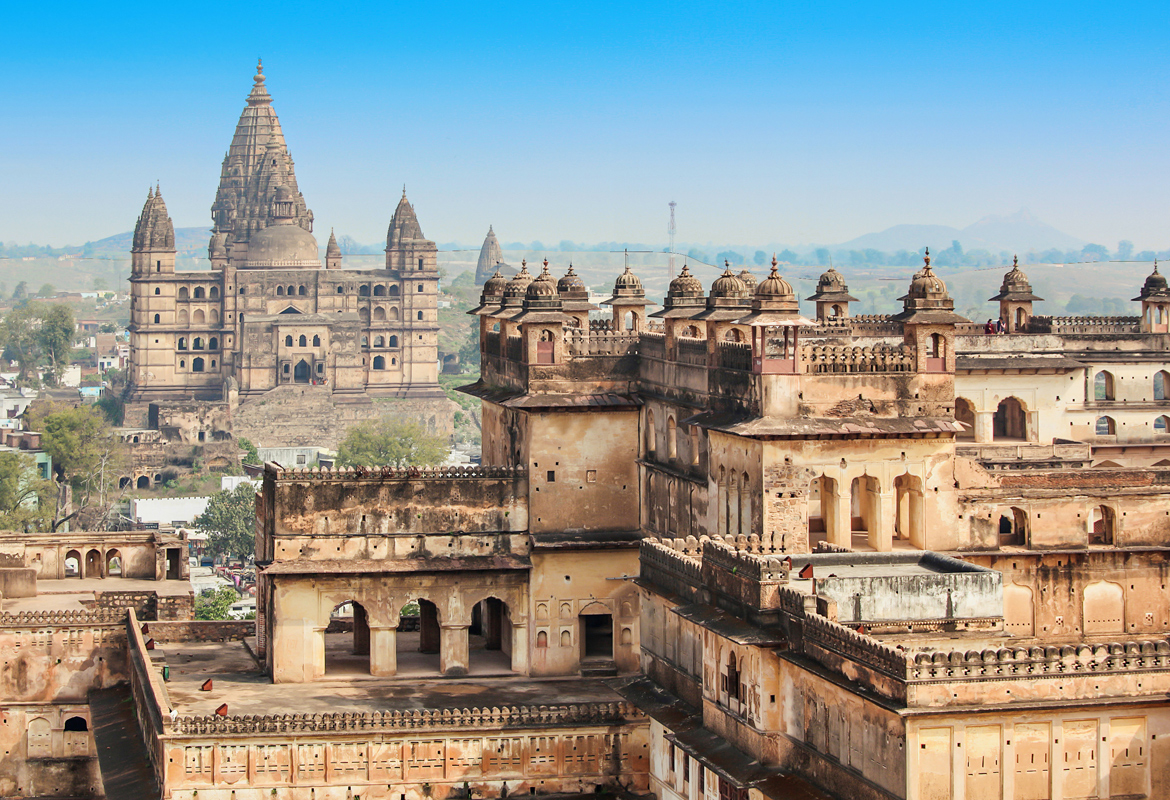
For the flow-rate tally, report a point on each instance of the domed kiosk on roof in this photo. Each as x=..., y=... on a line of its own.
x=1015, y=298
x=575, y=298
x=684, y=297
x=832, y=296
x=728, y=300
x=628, y=301
x=1155, y=300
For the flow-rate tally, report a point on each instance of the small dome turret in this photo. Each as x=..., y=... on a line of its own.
x=628, y=285
x=685, y=285
x=517, y=288
x=749, y=280
x=217, y=247
x=1015, y=286
x=728, y=285
x=570, y=282
x=494, y=286
x=927, y=302
x=775, y=287
x=1155, y=286
x=542, y=287
x=332, y=250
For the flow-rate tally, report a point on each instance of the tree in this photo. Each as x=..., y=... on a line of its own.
x=217, y=604
x=1124, y=250
x=788, y=256
x=823, y=256
x=21, y=291
x=390, y=441
x=230, y=521
x=99, y=284
x=251, y=454
x=26, y=499
x=47, y=290
x=88, y=458
x=1094, y=252
x=55, y=337
x=760, y=258
x=730, y=256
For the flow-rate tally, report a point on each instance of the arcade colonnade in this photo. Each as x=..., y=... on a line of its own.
x=304, y=606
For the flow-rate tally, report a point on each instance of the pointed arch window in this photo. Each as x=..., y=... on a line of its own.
x=303, y=341
x=288, y=341
x=316, y=341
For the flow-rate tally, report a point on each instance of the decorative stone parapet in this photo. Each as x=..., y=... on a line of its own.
x=393, y=473
x=449, y=719
x=1035, y=662
x=41, y=619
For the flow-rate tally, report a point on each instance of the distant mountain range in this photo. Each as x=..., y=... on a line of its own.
x=1019, y=233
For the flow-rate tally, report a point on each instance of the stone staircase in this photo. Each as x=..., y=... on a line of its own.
x=126, y=771
x=599, y=668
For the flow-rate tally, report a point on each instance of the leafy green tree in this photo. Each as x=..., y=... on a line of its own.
x=230, y=521
x=88, y=457
x=217, y=604
x=55, y=337
x=390, y=441
x=1124, y=250
x=789, y=256
x=251, y=454
x=21, y=291
x=26, y=499
x=823, y=256
x=760, y=258
x=99, y=284
x=47, y=290
x=730, y=256
x=1094, y=252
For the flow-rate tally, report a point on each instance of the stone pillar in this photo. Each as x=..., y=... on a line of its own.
x=453, y=655
x=428, y=627
x=361, y=631
x=383, y=651
x=520, y=648
x=881, y=534
x=842, y=528
x=984, y=429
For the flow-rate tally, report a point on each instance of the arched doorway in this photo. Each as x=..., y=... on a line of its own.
x=113, y=564
x=1103, y=523
x=909, y=503
x=965, y=416
x=143, y=482
x=596, y=633
x=490, y=637
x=73, y=564
x=1013, y=527
x=418, y=640
x=93, y=564
x=822, y=512
x=1010, y=421
x=301, y=372
x=864, y=505
x=347, y=641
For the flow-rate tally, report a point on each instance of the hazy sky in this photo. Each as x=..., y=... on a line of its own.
x=766, y=122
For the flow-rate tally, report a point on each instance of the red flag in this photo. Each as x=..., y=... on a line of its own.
x=222, y=710
x=806, y=572
x=206, y=687
x=150, y=644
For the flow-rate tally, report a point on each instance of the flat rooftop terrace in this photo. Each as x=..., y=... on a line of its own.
x=238, y=681
x=77, y=594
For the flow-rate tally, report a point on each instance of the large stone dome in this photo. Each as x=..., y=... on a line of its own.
x=284, y=244
x=543, y=287
x=685, y=285
x=728, y=285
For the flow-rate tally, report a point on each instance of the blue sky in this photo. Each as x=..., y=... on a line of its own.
x=766, y=122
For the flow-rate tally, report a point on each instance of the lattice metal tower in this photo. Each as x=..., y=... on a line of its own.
x=670, y=231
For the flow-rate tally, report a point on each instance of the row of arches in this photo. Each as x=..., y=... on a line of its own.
x=291, y=291
x=421, y=647
x=1008, y=423
x=197, y=364
x=856, y=520
x=1107, y=426
x=1102, y=609
x=196, y=317
x=1014, y=526
x=378, y=290
x=672, y=439
x=141, y=482
x=95, y=564
x=75, y=738
x=380, y=362
x=197, y=343
x=302, y=341
x=198, y=293
x=1105, y=386
x=381, y=314
x=381, y=341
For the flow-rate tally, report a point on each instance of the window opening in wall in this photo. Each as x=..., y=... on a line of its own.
x=1103, y=388
x=1102, y=521
x=1105, y=426
x=301, y=372
x=965, y=416
x=1160, y=424
x=1010, y=420
x=1162, y=386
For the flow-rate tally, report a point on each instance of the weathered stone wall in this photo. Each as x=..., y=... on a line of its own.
x=164, y=631
x=304, y=416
